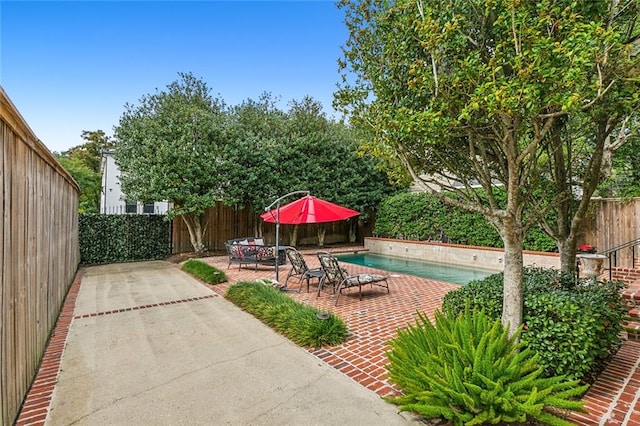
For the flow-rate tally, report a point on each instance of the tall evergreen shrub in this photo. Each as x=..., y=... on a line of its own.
x=421, y=216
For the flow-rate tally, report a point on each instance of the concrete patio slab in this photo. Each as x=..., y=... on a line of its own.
x=148, y=344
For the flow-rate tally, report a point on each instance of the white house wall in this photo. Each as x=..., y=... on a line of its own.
x=112, y=199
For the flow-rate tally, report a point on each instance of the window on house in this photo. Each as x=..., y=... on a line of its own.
x=148, y=208
x=130, y=207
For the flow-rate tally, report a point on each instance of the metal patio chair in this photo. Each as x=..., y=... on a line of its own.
x=337, y=276
x=300, y=269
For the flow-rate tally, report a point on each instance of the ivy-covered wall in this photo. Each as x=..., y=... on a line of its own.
x=122, y=238
x=420, y=216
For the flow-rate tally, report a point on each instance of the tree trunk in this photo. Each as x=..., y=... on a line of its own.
x=567, y=249
x=293, y=241
x=194, y=225
x=322, y=230
x=353, y=230
x=513, y=295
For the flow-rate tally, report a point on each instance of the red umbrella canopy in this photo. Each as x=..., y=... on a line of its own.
x=308, y=209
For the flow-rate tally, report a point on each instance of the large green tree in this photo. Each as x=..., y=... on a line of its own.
x=168, y=148
x=90, y=152
x=622, y=170
x=471, y=93
x=88, y=180
x=83, y=163
x=275, y=152
x=256, y=131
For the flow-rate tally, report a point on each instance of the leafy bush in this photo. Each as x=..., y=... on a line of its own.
x=204, y=271
x=412, y=216
x=574, y=325
x=421, y=216
x=468, y=370
x=120, y=238
x=298, y=322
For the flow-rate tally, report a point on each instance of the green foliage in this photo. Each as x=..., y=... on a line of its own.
x=90, y=152
x=296, y=321
x=83, y=163
x=421, y=216
x=468, y=370
x=168, y=145
x=186, y=147
x=416, y=216
x=275, y=152
x=89, y=181
x=123, y=238
x=624, y=181
x=470, y=93
x=204, y=271
x=574, y=325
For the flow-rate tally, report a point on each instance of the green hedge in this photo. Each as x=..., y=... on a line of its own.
x=421, y=216
x=123, y=238
x=574, y=325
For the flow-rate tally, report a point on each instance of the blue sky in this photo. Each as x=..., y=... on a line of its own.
x=71, y=66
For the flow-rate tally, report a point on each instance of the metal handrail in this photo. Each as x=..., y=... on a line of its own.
x=613, y=252
x=621, y=246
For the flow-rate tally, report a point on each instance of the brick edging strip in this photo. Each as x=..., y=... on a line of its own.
x=36, y=405
x=150, y=305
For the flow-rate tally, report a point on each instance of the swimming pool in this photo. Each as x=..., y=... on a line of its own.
x=437, y=271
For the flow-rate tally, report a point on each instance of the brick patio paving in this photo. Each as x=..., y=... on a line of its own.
x=613, y=400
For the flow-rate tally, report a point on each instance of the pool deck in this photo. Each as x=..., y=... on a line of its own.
x=613, y=400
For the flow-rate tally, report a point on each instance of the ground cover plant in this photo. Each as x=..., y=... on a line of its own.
x=302, y=324
x=465, y=368
x=573, y=324
x=204, y=271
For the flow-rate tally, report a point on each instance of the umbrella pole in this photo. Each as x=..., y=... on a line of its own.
x=277, y=203
x=277, y=242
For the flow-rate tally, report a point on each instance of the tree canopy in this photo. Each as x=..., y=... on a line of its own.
x=168, y=148
x=83, y=163
x=186, y=147
x=473, y=93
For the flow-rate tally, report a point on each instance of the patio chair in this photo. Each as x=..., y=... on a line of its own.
x=340, y=279
x=300, y=269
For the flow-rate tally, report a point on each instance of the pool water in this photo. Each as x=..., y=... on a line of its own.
x=437, y=271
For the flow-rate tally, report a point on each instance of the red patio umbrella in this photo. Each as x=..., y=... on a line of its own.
x=308, y=209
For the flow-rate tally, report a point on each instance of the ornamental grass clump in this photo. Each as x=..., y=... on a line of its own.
x=302, y=324
x=204, y=271
x=467, y=369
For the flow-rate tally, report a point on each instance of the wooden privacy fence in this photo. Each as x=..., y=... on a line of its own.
x=39, y=252
x=225, y=223
x=613, y=222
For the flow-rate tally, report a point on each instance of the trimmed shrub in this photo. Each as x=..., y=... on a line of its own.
x=300, y=323
x=204, y=271
x=421, y=216
x=467, y=369
x=574, y=325
x=121, y=238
